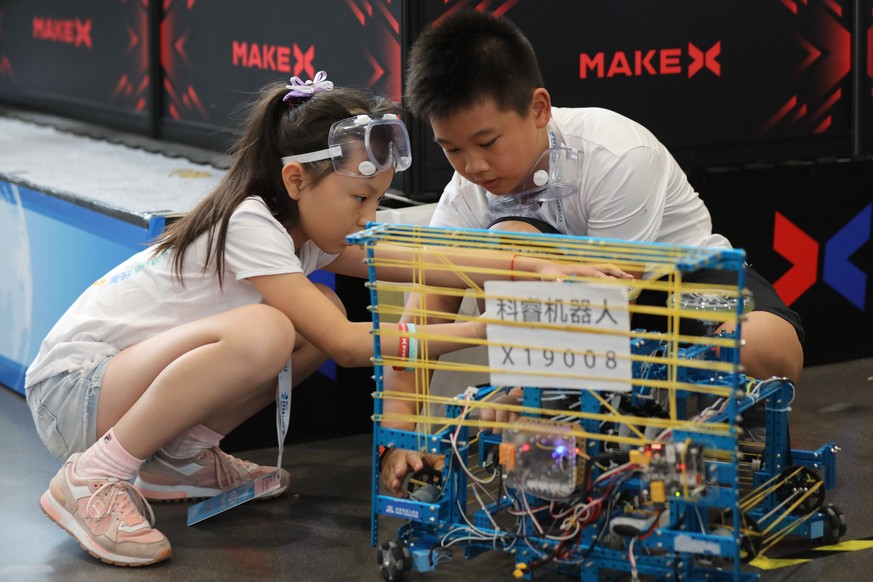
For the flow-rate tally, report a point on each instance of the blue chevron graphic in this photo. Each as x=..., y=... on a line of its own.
x=847, y=279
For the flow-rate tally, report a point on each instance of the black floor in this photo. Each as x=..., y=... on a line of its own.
x=320, y=529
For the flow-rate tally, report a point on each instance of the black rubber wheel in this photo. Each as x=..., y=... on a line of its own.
x=394, y=560
x=834, y=524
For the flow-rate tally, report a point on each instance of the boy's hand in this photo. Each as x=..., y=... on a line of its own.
x=481, y=326
x=514, y=396
x=560, y=271
x=398, y=462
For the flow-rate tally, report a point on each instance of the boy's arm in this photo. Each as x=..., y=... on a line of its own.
x=404, y=264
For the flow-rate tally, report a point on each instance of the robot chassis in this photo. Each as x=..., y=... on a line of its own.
x=660, y=481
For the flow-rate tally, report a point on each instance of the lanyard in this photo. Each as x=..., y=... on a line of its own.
x=263, y=484
x=283, y=408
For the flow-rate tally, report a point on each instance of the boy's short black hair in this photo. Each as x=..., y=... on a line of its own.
x=469, y=57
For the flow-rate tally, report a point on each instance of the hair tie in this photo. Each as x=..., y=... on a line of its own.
x=298, y=88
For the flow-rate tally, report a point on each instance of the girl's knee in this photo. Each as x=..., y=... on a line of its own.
x=771, y=348
x=767, y=364
x=264, y=333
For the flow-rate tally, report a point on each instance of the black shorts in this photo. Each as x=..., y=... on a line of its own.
x=540, y=225
x=764, y=294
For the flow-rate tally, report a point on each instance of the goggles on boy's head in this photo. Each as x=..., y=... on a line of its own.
x=557, y=174
x=363, y=145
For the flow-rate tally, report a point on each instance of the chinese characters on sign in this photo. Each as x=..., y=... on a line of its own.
x=559, y=335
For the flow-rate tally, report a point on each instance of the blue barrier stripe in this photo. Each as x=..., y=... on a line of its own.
x=91, y=220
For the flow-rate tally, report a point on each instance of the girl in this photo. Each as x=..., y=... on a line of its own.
x=178, y=345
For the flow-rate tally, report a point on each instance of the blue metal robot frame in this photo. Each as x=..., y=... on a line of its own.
x=706, y=525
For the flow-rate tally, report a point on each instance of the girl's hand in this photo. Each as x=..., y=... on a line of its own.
x=398, y=462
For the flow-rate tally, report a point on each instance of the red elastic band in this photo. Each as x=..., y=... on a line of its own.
x=512, y=267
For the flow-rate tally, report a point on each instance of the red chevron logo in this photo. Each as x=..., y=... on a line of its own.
x=799, y=248
x=700, y=59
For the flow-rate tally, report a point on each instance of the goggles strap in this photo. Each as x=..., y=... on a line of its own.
x=331, y=152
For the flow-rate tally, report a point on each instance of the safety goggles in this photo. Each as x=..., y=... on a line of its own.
x=557, y=174
x=364, y=145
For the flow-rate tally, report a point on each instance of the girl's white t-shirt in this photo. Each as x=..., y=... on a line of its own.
x=142, y=296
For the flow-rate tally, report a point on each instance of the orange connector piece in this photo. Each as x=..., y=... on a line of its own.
x=507, y=456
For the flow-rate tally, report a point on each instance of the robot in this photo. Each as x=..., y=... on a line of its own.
x=625, y=451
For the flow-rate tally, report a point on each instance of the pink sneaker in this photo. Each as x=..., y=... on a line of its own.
x=206, y=474
x=106, y=518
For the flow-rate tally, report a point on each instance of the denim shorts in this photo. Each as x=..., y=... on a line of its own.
x=64, y=408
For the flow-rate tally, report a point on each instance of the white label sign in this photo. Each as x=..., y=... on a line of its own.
x=559, y=335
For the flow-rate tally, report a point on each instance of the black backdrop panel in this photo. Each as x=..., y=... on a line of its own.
x=214, y=55
x=720, y=83
x=865, y=57
x=806, y=228
x=77, y=56
x=710, y=72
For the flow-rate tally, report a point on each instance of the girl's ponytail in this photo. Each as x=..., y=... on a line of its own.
x=274, y=128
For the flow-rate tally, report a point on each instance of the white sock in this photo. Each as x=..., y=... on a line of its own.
x=192, y=441
x=107, y=458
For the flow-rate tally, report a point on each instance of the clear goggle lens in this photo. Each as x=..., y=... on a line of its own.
x=364, y=145
x=557, y=174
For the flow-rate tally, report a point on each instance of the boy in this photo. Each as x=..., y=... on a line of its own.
x=475, y=78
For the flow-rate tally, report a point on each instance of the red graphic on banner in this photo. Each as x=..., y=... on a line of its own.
x=6, y=68
x=5, y=64
x=498, y=8
x=68, y=30
x=303, y=62
x=131, y=89
x=870, y=55
x=701, y=59
x=383, y=57
x=181, y=101
x=827, y=61
x=802, y=250
x=638, y=63
x=259, y=52
x=273, y=57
